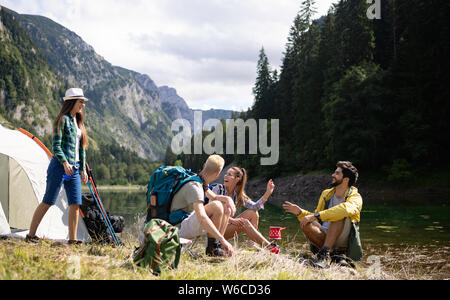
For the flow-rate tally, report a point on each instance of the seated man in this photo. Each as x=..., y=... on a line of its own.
x=334, y=227
x=211, y=218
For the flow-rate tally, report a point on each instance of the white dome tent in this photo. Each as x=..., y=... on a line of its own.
x=23, y=174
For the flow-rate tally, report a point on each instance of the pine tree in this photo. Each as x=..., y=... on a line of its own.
x=350, y=88
x=355, y=32
x=308, y=10
x=261, y=91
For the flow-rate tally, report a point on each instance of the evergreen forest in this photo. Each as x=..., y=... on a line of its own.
x=371, y=91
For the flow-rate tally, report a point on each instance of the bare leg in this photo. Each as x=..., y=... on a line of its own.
x=226, y=218
x=73, y=221
x=314, y=234
x=39, y=213
x=252, y=216
x=250, y=228
x=334, y=231
x=216, y=212
x=318, y=238
x=233, y=230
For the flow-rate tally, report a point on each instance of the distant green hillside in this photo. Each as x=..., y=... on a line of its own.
x=28, y=86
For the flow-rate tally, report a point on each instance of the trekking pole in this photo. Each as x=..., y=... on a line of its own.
x=100, y=206
x=108, y=221
x=104, y=216
x=102, y=211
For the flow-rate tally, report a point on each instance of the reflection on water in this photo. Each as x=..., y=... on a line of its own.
x=395, y=225
x=125, y=203
x=410, y=242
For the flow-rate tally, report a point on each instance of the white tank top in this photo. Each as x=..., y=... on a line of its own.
x=77, y=145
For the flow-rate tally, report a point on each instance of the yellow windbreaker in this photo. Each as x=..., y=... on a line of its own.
x=350, y=208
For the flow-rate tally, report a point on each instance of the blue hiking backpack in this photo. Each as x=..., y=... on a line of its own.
x=164, y=183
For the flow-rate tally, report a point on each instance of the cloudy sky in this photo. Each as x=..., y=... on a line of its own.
x=206, y=49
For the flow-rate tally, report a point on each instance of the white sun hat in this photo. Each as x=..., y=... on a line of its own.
x=75, y=93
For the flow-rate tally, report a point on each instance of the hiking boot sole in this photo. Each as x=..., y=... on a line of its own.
x=32, y=239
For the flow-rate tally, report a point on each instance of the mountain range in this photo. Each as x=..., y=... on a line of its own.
x=40, y=59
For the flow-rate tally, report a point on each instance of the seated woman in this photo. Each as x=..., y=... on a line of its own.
x=233, y=186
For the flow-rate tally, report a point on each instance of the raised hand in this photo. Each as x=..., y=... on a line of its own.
x=292, y=208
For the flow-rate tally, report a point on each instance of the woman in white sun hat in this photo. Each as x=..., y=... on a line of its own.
x=68, y=165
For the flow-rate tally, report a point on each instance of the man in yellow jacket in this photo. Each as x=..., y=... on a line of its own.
x=334, y=226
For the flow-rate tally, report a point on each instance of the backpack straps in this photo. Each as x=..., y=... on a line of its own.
x=171, y=230
x=176, y=217
x=179, y=183
x=144, y=246
x=327, y=202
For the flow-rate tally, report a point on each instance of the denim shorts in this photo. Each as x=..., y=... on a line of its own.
x=55, y=174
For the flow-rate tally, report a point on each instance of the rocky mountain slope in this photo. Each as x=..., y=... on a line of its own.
x=126, y=107
x=120, y=110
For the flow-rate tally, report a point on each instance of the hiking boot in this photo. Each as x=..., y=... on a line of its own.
x=321, y=260
x=216, y=252
x=31, y=239
x=75, y=242
x=339, y=258
x=214, y=248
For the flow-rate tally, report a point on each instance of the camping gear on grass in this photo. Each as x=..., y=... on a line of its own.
x=163, y=185
x=96, y=225
x=93, y=188
x=23, y=173
x=275, y=232
x=160, y=248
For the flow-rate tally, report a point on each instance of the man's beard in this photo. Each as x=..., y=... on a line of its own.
x=336, y=183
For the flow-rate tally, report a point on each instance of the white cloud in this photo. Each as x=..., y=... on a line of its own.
x=206, y=49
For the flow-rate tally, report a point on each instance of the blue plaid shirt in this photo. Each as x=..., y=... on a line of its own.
x=64, y=142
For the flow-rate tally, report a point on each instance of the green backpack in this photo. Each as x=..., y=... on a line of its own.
x=161, y=247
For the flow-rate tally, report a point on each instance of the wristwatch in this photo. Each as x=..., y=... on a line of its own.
x=317, y=216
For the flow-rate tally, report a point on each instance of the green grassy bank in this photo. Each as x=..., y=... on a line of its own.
x=49, y=260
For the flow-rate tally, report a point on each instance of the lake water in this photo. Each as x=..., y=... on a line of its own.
x=379, y=223
x=385, y=229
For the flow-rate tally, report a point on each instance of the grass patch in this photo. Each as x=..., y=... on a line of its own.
x=383, y=259
x=50, y=260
